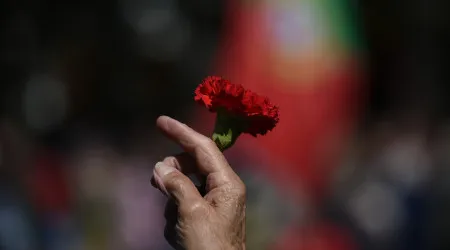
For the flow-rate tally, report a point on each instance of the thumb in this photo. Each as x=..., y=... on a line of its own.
x=175, y=184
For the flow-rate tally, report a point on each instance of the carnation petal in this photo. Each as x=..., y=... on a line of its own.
x=256, y=113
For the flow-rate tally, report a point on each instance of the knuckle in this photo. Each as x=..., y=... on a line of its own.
x=194, y=210
x=240, y=188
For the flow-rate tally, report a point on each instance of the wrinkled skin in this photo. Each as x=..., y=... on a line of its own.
x=195, y=222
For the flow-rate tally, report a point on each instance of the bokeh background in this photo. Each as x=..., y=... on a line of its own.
x=359, y=160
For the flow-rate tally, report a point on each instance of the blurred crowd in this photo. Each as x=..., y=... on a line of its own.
x=358, y=161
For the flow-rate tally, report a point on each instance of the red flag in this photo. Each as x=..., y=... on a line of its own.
x=275, y=50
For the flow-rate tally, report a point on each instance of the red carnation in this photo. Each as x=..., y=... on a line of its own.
x=238, y=110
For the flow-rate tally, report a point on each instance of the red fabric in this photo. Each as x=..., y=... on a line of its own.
x=317, y=112
x=321, y=237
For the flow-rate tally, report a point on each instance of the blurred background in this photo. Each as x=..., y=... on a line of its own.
x=359, y=160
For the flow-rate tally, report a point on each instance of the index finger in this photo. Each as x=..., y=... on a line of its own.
x=208, y=157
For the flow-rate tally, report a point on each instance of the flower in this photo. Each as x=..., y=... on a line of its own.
x=217, y=93
x=238, y=110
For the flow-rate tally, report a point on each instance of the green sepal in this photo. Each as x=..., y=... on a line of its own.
x=226, y=130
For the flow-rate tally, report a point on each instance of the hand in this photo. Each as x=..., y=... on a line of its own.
x=215, y=221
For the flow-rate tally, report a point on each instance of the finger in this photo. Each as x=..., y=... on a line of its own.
x=208, y=157
x=175, y=184
x=184, y=162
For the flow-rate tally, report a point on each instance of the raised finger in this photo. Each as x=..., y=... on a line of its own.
x=208, y=157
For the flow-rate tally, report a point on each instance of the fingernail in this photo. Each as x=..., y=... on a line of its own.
x=162, y=169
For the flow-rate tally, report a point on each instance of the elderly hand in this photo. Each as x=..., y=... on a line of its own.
x=214, y=221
